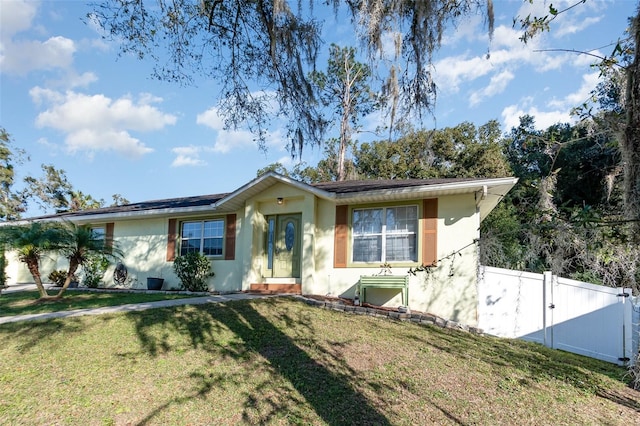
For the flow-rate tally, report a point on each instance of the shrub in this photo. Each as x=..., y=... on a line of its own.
x=58, y=277
x=94, y=269
x=192, y=270
x=3, y=266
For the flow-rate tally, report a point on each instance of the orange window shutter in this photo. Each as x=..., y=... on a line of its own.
x=171, y=240
x=430, y=232
x=108, y=242
x=340, y=237
x=230, y=238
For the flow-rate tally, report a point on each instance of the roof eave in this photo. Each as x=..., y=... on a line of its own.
x=106, y=217
x=237, y=198
x=426, y=190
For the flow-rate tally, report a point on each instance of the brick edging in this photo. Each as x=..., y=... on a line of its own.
x=415, y=317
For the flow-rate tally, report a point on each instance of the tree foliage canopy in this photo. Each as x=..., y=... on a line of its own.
x=11, y=202
x=261, y=51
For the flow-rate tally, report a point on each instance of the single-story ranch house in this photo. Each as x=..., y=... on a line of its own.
x=278, y=234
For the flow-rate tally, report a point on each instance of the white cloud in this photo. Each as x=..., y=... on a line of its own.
x=211, y=118
x=80, y=80
x=507, y=53
x=23, y=57
x=92, y=141
x=98, y=123
x=21, y=54
x=496, y=86
x=543, y=119
x=469, y=28
x=16, y=16
x=557, y=110
x=575, y=26
x=189, y=156
x=589, y=82
x=564, y=24
x=582, y=60
x=455, y=70
x=227, y=140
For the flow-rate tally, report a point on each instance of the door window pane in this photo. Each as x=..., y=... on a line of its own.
x=270, y=242
x=289, y=236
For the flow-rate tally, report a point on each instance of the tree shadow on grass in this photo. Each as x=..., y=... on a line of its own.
x=328, y=393
x=32, y=333
x=535, y=362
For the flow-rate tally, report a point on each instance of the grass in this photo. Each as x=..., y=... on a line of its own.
x=279, y=361
x=24, y=302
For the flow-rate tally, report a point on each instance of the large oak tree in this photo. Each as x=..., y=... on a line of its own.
x=261, y=52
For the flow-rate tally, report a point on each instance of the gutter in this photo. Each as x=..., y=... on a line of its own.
x=103, y=217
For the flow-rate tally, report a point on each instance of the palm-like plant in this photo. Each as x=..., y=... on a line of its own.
x=30, y=242
x=79, y=244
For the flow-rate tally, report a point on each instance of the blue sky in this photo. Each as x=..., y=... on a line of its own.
x=68, y=99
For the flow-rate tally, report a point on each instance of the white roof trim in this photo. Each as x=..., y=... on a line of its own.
x=270, y=179
x=461, y=187
x=105, y=217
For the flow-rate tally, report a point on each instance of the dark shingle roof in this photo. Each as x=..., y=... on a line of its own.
x=350, y=186
x=343, y=187
x=168, y=203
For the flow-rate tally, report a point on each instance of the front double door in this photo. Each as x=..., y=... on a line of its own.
x=283, y=246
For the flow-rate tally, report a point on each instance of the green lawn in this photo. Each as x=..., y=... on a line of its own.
x=24, y=302
x=280, y=361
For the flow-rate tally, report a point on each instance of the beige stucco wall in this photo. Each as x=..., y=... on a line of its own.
x=257, y=208
x=143, y=243
x=450, y=290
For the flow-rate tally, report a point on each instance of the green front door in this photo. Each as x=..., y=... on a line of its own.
x=283, y=249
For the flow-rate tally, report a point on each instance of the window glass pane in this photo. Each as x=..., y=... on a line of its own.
x=367, y=249
x=192, y=230
x=289, y=236
x=402, y=219
x=401, y=248
x=270, y=242
x=98, y=233
x=189, y=246
x=212, y=247
x=367, y=221
x=396, y=241
x=203, y=236
x=213, y=228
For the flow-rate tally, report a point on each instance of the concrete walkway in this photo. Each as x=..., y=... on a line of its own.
x=133, y=307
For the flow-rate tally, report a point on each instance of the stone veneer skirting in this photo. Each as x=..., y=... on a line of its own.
x=415, y=317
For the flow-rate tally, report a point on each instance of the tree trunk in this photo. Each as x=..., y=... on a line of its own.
x=630, y=144
x=35, y=273
x=73, y=267
x=345, y=131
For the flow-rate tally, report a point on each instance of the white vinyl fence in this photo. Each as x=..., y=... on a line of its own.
x=587, y=319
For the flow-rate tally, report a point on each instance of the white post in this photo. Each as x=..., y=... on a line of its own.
x=627, y=326
x=547, y=308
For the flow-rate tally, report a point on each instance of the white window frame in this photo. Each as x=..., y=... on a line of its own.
x=201, y=237
x=384, y=234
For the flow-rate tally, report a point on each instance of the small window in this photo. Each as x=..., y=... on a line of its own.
x=98, y=232
x=385, y=234
x=205, y=237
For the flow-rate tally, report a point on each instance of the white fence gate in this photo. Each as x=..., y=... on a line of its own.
x=560, y=313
